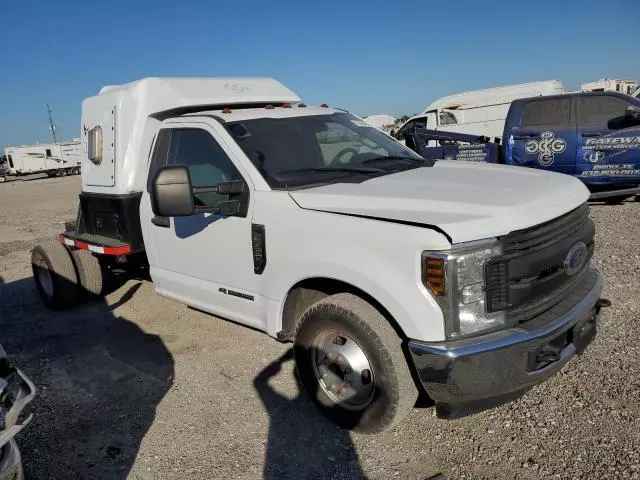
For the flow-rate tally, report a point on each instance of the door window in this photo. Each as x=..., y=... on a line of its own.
x=600, y=108
x=207, y=162
x=556, y=111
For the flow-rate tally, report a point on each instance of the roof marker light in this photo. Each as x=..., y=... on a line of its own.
x=268, y=107
x=286, y=105
x=226, y=110
x=324, y=105
x=302, y=105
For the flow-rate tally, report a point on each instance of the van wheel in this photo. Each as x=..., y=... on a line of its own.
x=89, y=272
x=55, y=275
x=350, y=361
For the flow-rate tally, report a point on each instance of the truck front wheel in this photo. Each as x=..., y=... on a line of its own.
x=55, y=275
x=350, y=361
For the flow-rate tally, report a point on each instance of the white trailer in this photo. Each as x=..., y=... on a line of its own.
x=481, y=112
x=54, y=159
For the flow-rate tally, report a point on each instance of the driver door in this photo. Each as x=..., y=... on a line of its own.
x=204, y=260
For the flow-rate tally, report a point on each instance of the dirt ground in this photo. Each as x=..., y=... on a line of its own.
x=142, y=387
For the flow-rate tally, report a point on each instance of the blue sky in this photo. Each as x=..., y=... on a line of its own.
x=369, y=57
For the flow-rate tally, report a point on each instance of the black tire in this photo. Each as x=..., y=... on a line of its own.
x=395, y=392
x=52, y=260
x=90, y=275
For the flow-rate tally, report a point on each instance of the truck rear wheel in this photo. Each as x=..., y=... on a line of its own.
x=90, y=274
x=55, y=275
x=350, y=361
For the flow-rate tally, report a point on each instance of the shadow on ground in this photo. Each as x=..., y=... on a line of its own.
x=99, y=379
x=302, y=444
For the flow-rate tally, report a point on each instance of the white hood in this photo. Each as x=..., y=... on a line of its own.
x=467, y=200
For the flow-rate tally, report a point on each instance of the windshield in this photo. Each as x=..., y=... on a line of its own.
x=299, y=151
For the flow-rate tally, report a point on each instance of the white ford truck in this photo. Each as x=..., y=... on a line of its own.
x=391, y=274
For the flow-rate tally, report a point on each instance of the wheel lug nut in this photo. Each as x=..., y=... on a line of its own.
x=340, y=340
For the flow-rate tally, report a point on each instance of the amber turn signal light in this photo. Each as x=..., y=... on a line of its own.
x=434, y=276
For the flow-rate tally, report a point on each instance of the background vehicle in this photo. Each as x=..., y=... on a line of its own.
x=4, y=168
x=390, y=273
x=480, y=112
x=592, y=136
x=16, y=391
x=54, y=159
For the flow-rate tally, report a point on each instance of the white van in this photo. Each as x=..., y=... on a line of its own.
x=480, y=112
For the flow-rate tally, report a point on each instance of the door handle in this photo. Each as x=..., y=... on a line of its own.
x=591, y=134
x=161, y=221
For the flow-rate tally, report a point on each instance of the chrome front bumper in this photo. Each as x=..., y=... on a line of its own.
x=473, y=374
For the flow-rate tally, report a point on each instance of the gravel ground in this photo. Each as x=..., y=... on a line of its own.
x=142, y=387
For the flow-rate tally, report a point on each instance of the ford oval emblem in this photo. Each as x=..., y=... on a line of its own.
x=575, y=258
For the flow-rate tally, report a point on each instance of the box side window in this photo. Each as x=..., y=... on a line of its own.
x=94, y=145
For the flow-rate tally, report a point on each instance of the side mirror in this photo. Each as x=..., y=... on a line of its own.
x=171, y=192
x=632, y=113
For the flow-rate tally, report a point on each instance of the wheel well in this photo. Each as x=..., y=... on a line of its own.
x=309, y=291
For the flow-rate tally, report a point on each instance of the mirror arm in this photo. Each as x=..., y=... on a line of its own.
x=228, y=208
x=235, y=186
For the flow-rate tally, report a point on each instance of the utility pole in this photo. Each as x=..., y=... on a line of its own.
x=52, y=126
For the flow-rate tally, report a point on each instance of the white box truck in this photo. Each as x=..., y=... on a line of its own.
x=390, y=274
x=481, y=112
x=54, y=159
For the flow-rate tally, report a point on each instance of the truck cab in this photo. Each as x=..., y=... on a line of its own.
x=593, y=136
x=391, y=274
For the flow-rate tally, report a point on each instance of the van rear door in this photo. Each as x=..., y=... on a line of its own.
x=543, y=135
x=608, y=140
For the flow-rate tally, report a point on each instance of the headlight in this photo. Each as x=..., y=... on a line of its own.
x=456, y=280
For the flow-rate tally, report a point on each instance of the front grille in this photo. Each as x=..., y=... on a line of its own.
x=545, y=234
x=530, y=277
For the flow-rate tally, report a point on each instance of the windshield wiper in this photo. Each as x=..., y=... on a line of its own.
x=387, y=158
x=333, y=169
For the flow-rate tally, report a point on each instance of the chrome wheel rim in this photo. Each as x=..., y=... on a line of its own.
x=44, y=276
x=343, y=370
